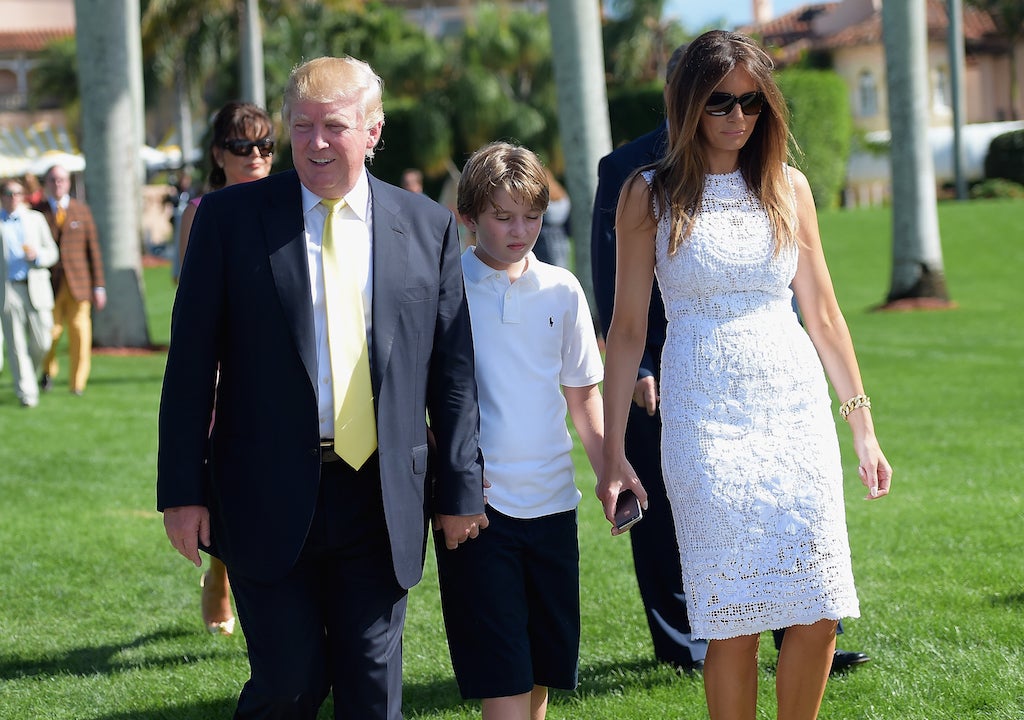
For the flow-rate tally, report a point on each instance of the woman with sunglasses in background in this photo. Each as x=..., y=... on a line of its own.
x=241, y=150
x=749, y=445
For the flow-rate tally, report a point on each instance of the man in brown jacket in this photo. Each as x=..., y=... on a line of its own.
x=77, y=278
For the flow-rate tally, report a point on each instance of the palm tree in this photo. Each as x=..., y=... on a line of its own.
x=56, y=77
x=585, y=127
x=184, y=42
x=502, y=85
x=639, y=42
x=110, y=133
x=917, y=272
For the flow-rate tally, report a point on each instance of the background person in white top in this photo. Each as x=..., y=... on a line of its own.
x=27, y=251
x=511, y=601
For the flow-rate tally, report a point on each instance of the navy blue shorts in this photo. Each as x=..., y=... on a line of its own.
x=511, y=602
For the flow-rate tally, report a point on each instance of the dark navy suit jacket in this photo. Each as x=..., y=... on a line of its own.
x=242, y=340
x=613, y=171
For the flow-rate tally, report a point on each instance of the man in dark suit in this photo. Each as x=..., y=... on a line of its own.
x=655, y=550
x=78, y=282
x=320, y=550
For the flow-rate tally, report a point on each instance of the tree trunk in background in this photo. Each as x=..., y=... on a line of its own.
x=108, y=70
x=250, y=33
x=578, y=58
x=917, y=273
x=186, y=138
x=957, y=84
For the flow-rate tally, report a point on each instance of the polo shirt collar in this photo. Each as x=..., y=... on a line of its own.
x=476, y=270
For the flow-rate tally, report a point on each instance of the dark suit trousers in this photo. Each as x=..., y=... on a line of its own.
x=335, y=620
x=655, y=549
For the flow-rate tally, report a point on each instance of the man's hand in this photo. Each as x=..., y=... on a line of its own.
x=645, y=394
x=186, y=527
x=460, y=528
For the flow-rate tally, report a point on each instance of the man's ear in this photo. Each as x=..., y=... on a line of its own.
x=373, y=135
x=469, y=222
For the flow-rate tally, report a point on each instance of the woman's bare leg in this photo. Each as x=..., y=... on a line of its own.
x=804, y=663
x=216, y=599
x=730, y=678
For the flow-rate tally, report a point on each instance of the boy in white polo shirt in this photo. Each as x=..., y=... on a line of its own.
x=511, y=597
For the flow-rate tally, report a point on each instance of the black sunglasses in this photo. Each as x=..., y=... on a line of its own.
x=242, y=147
x=722, y=103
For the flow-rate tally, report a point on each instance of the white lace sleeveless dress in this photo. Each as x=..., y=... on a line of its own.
x=749, y=445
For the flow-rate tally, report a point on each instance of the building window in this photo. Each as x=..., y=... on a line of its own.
x=867, y=89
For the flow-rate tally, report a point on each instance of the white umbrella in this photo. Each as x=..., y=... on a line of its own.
x=70, y=162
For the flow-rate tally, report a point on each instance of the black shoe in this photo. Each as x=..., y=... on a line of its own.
x=844, y=660
x=45, y=383
x=696, y=666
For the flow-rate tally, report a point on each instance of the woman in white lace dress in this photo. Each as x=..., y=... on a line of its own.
x=749, y=445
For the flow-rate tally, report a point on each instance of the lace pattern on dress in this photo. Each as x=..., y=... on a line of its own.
x=749, y=445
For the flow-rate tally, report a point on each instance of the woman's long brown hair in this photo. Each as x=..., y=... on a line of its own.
x=678, y=183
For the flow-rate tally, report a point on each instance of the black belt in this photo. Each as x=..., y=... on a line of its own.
x=327, y=454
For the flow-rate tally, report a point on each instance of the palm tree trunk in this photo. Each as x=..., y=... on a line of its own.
x=917, y=271
x=250, y=33
x=583, y=122
x=108, y=69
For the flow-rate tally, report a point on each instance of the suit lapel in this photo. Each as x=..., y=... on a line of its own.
x=390, y=255
x=284, y=234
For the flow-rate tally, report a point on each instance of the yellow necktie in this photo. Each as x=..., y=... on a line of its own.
x=355, y=426
x=61, y=216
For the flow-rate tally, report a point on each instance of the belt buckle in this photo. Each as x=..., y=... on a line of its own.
x=327, y=454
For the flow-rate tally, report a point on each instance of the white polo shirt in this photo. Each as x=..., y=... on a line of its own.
x=531, y=337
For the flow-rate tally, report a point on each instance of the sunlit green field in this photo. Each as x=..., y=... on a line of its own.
x=99, y=617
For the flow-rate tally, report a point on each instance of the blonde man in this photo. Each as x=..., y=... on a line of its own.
x=320, y=542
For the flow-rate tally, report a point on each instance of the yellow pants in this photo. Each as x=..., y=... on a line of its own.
x=78, y=318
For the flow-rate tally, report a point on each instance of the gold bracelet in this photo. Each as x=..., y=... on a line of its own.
x=857, y=401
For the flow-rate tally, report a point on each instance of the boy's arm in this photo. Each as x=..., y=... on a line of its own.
x=587, y=413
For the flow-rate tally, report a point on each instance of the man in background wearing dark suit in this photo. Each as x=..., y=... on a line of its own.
x=78, y=283
x=312, y=486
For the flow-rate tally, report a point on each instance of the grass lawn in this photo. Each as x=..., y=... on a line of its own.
x=99, y=617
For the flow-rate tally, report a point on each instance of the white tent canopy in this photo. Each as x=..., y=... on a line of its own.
x=35, y=149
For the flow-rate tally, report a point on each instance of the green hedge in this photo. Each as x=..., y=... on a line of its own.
x=1005, y=157
x=822, y=125
x=635, y=112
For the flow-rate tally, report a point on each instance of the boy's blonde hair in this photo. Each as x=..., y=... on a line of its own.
x=502, y=166
x=327, y=79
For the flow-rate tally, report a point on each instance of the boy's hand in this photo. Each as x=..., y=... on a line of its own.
x=458, y=529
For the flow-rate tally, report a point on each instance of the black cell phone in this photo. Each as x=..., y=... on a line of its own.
x=627, y=511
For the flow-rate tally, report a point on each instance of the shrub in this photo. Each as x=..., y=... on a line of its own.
x=635, y=111
x=822, y=127
x=997, y=188
x=1005, y=157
